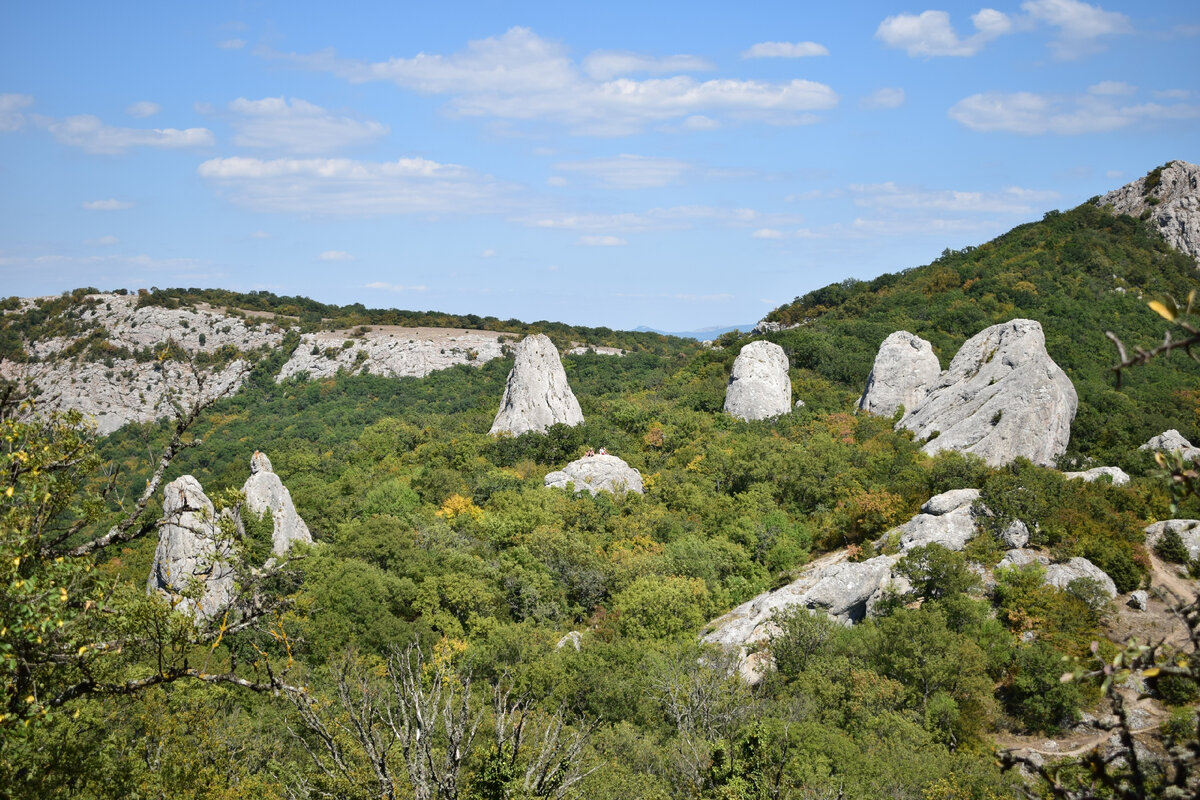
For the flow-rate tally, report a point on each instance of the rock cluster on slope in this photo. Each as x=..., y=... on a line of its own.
x=599, y=473
x=266, y=494
x=759, y=386
x=905, y=367
x=1172, y=204
x=390, y=351
x=192, y=554
x=536, y=395
x=1188, y=530
x=1002, y=397
x=1170, y=442
x=1118, y=476
x=946, y=519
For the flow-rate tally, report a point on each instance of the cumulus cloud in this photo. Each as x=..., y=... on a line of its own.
x=884, y=98
x=1032, y=114
x=297, y=126
x=91, y=135
x=107, y=205
x=11, y=118
x=520, y=76
x=143, y=109
x=1079, y=25
x=931, y=34
x=341, y=186
x=601, y=241
x=629, y=171
x=335, y=255
x=102, y=241
x=785, y=50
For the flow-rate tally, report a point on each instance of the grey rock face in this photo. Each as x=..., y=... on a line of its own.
x=1016, y=535
x=1119, y=476
x=1061, y=575
x=537, y=394
x=266, y=494
x=1139, y=599
x=572, y=639
x=1176, y=214
x=762, y=326
x=1171, y=441
x=593, y=474
x=946, y=519
x=1188, y=530
x=191, y=555
x=759, y=386
x=1020, y=558
x=844, y=589
x=905, y=368
x=1002, y=397
x=390, y=351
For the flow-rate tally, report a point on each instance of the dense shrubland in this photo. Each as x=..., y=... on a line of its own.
x=434, y=536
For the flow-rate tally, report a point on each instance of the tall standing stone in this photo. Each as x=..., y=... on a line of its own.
x=759, y=386
x=265, y=493
x=905, y=368
x=537, y=394
x=192, y=555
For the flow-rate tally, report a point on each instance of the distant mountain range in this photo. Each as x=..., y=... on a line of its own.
x=703, y=334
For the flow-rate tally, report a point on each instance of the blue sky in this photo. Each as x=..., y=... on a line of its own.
x=669, y=164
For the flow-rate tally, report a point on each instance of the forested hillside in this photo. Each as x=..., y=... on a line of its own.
x=444, y=573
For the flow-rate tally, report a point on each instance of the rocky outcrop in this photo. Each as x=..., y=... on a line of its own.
x=759, y=386
x=1116, y=475
x=1188, y=530
x=1016, y=535
x=764, y=327
x=537, y=394
x=390, y=351
x=266, y=494
x=191, y=563
x=600, y=473
x=946, y=519
x=1061, y=575
x=905, y=368
x=1002, y=397
x=1170, y=442
x=1169, y=197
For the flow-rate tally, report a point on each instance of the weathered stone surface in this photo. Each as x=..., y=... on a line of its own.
x=266, y=494
x=1173, y=205
x=762, y=326
x=1188, y=530
x=949, y=501
x=390, y=351
x=946, y=519
x=537, y=394
x=1016, y=535
x=605, y=473
x=905, y=368
x=1020, y=558
x=1139, y=599
x=892, y=585
x=1170, y=442
x=843, y=589
x=759, y=386
x=572, y=639
x=1061, y=575
x=1001, y=398
x=1118, y=476
x=191, y=556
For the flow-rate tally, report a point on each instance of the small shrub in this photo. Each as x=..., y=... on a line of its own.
x=1170, y=547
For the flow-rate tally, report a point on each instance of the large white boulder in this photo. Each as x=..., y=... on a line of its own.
x=905, y=368
x=1118, y=476
x=266, y=494
x=1002, y=397
x=1188, y=530
x=759, y=386
x=600, y=473
x=191, y=563
x=946, y=519
x=1170, y=442
x=536, y=395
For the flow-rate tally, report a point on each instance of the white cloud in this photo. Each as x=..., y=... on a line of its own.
x=768, y=233
x=107, y=205
x=628, y=171
x=604, y=65
x=231, y=44
x=142, y=109
x=785, y=50
x=1079, y=24
x=884, y=98
x=340, y=186
x=335, y=255
x=699, y=122
x=1013, y=200
x=260, y=235
x=931, y=34
x=1030, y=113
x=602, y=241
x=520, y=76
x=91, y=135
x=394, y=287
x=102, y=241
x=298, y=126
x=11, y=118
x=489, y=253
x=1172, y=94
x=1111, y=88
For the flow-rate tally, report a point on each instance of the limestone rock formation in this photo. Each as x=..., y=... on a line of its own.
x=1171, y=200
x=266, y=494
x=1188, y=530
x=192, y=556
x=759, y=386
x=1139, y=599
x=390, y=351
x=1061, y=575
x=537, y=394
x=1001, y=398
x=1016, y=535
x=600, y=473
x=1169, y=442
x=1119, y=476
x=905, y=368
x=946, y=519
